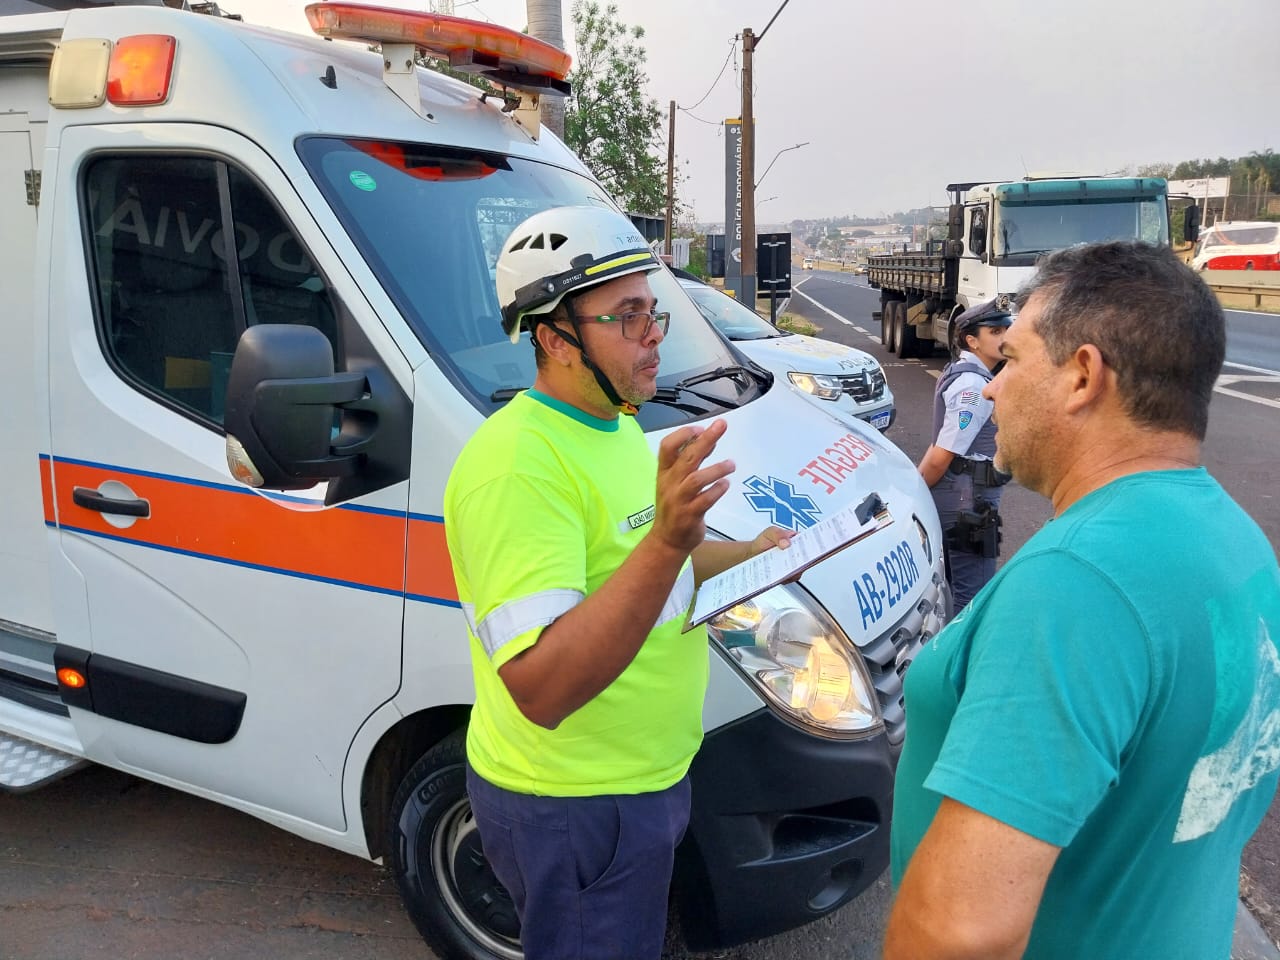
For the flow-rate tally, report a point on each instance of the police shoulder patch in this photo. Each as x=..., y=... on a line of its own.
x=965, y=418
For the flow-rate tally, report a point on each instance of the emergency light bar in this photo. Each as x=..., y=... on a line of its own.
x=507, y=58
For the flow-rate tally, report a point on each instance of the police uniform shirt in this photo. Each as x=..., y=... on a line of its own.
x=967, y=410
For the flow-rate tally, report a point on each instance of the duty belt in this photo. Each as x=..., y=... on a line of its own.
x=984, y=472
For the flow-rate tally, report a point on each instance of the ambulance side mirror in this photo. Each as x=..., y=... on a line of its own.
x=282, y=408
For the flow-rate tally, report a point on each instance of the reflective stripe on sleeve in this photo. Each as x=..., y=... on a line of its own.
x=680, y=597
x=516, y=617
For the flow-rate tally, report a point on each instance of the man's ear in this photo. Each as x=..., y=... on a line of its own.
x=1090, y=378
x=553, y=345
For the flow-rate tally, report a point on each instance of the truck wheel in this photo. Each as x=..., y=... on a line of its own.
x=908, y=344
x=884, y=323
x=891, y=325
x=447, y=885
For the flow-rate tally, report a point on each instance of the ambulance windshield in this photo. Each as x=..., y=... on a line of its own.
x=430, y=222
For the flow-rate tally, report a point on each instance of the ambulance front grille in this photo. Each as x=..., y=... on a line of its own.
x=888, y=655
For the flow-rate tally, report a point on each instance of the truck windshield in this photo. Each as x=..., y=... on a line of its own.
x=1024, y=230
x=431, y=221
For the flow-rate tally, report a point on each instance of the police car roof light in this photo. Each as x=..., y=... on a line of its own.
x=514, y=59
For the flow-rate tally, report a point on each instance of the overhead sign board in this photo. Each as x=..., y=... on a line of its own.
x=1203, y=188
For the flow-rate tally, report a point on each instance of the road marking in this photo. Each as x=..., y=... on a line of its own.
x=848, y=323
x=1245, y=396
x=1224, y=383
x=1243, y=366
x=862, y=329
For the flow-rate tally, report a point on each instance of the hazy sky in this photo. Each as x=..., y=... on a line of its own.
x=898, y=99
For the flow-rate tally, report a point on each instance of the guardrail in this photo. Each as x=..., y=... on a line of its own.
x=1236, y=289
x=1246, y=289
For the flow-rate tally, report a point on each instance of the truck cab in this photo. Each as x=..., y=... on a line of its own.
x=996, y=232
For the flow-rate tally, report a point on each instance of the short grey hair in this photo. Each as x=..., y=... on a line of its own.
x=1157, y=324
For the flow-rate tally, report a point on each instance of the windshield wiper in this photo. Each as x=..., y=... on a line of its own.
x=503, y=394
x=733, y=371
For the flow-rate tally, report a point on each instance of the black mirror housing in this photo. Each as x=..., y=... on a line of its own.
x=282, y=398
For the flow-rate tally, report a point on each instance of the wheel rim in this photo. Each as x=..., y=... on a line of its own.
x=469, y=887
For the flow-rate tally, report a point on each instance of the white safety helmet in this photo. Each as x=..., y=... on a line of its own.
x=563, y=250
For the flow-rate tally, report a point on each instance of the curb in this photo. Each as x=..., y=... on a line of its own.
x=1250, y=941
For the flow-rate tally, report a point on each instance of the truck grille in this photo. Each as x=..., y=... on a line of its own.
x=888, y=655
x=865, y=386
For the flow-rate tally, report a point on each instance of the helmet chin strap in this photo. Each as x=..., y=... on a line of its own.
x=626, y=406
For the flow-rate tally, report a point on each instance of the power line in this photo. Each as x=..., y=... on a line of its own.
x=710, y=123
x=733, y=45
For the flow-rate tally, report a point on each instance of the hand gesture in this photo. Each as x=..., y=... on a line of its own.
x=687, y=489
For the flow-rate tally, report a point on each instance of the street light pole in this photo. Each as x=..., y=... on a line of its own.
x=747, y=293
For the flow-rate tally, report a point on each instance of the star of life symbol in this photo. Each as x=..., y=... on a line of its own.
x=779, y=498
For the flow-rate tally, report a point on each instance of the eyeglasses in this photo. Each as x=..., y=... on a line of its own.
x=635, y=326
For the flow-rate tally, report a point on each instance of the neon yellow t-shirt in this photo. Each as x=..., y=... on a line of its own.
x=543, y=505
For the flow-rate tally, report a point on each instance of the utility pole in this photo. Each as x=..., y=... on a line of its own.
x=747, y=295
x=671, y=179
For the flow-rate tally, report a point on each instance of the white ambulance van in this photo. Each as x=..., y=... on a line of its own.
x=250, y=320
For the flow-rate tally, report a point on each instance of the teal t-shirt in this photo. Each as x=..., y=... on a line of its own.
x=1114, y=691
x=542, y=507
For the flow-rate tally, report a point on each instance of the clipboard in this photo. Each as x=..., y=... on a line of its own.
x=766, y=570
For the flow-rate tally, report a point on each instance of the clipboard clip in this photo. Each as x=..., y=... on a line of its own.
x=871, y=506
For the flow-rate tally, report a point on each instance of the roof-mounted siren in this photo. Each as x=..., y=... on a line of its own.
x=510, y=60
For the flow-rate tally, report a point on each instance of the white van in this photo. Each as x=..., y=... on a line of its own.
x=233, y=256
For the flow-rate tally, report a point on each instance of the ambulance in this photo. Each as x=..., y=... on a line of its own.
x=250, y=320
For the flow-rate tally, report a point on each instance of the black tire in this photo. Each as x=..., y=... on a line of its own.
x=884, y=322
x=447, y=886
x=891, y=321
x=908, y=344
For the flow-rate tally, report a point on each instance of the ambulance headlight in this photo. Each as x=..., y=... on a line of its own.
x=801, y=660
x=817, y=384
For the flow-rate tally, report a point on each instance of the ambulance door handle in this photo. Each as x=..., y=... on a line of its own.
x=93, y=500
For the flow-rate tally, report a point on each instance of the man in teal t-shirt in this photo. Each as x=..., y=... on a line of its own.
x=1093, y=741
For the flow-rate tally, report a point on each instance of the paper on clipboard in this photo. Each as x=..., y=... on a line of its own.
x=768, y=569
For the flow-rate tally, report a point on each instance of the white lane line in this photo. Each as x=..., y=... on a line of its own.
x=1244, y=366
x=1245, y=396
x=935, y=374
x=862, y=329
x=848, y=323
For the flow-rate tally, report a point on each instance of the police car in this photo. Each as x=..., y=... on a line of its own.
x=839, y=379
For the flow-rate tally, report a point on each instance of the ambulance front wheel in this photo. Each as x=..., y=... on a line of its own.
x=447, y=885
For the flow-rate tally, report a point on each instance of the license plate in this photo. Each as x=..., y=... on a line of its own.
x=888, y=583
x=880, y=420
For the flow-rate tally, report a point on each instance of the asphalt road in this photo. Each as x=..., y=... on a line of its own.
x=102, y=865
x=1242, y=450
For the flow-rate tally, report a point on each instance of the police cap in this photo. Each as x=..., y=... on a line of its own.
x=993, y=313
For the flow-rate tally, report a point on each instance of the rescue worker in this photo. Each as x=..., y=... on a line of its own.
x=959, y=466
x=576, y=554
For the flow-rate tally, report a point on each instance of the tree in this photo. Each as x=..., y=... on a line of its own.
x=610, y=122
x=546, y=23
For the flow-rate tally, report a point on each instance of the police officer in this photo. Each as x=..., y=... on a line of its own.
x=959, y=467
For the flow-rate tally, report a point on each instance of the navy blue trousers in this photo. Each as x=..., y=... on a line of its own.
x=589, y=876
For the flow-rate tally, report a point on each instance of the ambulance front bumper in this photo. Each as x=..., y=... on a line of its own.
x=785, y=827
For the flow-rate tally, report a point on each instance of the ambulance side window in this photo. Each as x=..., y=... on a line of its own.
x=171, y=302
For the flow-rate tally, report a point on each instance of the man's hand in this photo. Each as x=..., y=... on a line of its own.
x=713, y=557
x=768, y=538
x=686, y=489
